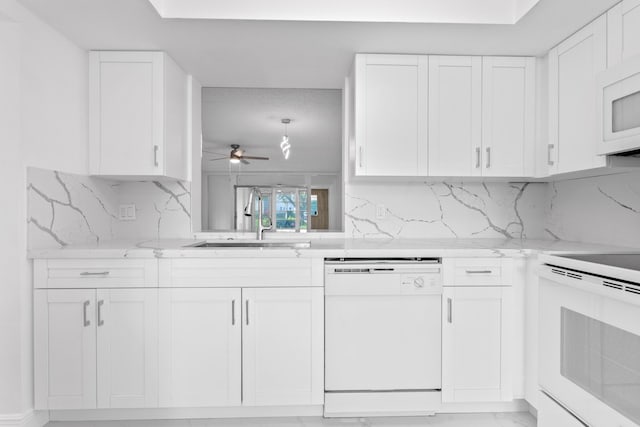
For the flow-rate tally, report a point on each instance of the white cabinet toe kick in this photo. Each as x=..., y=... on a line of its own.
x=382, y=403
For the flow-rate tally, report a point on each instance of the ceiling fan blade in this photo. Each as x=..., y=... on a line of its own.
x=244, y=162
x=219, y=158
x=255, y=158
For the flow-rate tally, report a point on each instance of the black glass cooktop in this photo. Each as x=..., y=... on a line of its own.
x=628, y=261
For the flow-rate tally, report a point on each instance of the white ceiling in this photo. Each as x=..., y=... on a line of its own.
x=417, y=11
x=279, y=54
x=252, y=119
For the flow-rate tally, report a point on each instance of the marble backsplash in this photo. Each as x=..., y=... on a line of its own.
x=66, y=209
x=603, y=209
x=444, y=209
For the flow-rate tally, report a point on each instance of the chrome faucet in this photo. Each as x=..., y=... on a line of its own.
x=248, y=211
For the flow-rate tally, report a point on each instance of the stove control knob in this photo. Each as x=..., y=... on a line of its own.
x=418, y=282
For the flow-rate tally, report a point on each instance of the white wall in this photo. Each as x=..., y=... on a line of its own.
x=54, y=98
x=12, y=243
x=43, y=122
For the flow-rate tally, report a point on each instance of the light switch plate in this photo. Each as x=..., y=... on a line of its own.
x=127, y=213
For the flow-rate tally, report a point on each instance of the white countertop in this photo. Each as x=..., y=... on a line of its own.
x=330, y=248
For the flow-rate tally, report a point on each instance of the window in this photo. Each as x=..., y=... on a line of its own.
x=285, y=208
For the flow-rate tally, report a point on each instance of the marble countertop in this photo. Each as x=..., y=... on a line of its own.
x=179, y=248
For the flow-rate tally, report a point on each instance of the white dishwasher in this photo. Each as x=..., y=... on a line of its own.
x=382, y=336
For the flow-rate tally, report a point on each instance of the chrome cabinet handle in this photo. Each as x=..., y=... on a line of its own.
x=478, y=271
x=85, y=320
x=360, y=157
x=94, y=273
x=477, y=157
x=155, y=155
x=550, y=161
x=449, y=311
x=246, y=304
x=488, y=157
x=100, y=321
x=233, y=312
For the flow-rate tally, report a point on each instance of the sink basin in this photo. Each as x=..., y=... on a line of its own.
x=251, y=244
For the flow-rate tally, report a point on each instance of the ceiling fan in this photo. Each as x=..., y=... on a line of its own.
x=237, y=156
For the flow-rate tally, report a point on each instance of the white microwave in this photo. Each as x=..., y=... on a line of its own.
x=618, y=102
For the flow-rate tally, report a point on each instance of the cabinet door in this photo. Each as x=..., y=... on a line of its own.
x=508, y=116
x=390, y=108
x=65, y=349
x=455, y=84
x=200, y=347
x=623, y=31
x=127, y=110
x=127, y=323
x=573, y=66
x=476, y=344
x=282, y=345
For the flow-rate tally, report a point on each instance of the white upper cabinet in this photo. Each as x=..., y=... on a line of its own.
x=508, y=113
x=623, y=31
x=138, y=115
x=573, y=67
x=455, y=112
x=418, y=115
x=390, y=109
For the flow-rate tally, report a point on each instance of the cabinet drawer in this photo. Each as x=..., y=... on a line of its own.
x=478, y=271
x=96, y=273
x=240, y=272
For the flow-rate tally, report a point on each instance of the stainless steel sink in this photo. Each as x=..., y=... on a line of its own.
x=251, y=244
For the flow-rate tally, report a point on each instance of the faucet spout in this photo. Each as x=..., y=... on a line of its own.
x=256, y=195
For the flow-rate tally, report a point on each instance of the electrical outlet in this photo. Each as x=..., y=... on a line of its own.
x=381, y=212
x=127, y=213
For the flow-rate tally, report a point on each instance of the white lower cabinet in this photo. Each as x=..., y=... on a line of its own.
x=476, y=344
x=127, y=325
x=200, y=347
x=249, y=346
x=65, y=349
x=96, y=348
x=104, y=345
x=282, y=346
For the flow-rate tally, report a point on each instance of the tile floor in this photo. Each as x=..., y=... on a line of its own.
x=516, y=419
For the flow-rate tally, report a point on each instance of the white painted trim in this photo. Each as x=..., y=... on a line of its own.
x=516, y=405
x=412, y=11
x=186, y=413
x=30, y=418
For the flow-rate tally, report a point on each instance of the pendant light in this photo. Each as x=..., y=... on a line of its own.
x=285, y=146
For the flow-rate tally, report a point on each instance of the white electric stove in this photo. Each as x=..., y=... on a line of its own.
x=590, y=340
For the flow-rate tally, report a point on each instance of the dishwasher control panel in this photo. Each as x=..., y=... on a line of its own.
x=383, y=276
x=420, y=283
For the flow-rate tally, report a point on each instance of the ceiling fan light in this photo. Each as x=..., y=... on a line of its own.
x=234, y=160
